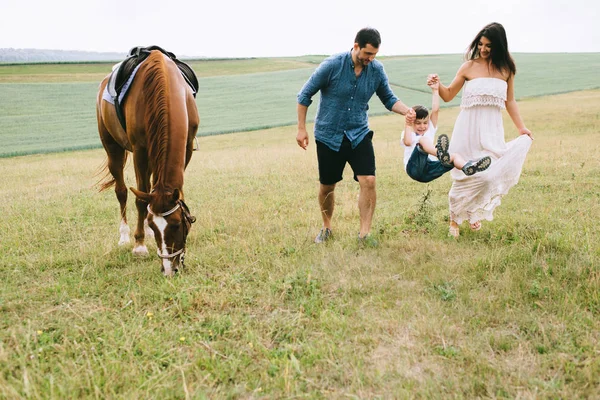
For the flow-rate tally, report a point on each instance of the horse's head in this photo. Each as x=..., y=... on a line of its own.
x=170, y=220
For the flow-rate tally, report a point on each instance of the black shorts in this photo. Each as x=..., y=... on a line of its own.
x=332, y=163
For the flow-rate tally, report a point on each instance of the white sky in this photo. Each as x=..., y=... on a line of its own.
x=271, y=28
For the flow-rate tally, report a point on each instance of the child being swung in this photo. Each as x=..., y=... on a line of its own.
x=419, y=154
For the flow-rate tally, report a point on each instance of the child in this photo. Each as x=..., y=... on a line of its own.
x=417, y=138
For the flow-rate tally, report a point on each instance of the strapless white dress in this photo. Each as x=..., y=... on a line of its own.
x=479, y=132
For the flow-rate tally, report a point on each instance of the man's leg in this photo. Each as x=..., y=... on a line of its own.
x=366, y=202
x=331, y=167
x=327, y=203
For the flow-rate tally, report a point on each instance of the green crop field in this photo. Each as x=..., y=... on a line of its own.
x=51, y=107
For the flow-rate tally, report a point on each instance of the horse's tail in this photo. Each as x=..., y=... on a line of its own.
x=106, y=180
x=157, y=109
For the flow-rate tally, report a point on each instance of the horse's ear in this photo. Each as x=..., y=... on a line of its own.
x=141, y=195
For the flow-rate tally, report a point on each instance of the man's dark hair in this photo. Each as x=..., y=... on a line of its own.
x=368, y=36
x=422, y=112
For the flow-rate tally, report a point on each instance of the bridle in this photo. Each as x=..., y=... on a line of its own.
x=189, y=219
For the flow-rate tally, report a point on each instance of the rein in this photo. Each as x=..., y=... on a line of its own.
x=188, y=218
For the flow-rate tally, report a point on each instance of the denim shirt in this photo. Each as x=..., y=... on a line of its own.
x=343, y=108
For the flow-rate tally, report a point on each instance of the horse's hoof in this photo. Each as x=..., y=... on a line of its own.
x=124, y=241
x=140, y=251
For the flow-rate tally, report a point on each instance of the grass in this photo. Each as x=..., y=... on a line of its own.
x=260, y=311
x=51, y=108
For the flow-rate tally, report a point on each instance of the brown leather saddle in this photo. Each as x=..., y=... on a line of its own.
x=119, y=77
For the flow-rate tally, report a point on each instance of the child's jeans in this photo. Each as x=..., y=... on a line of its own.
x=422, y=169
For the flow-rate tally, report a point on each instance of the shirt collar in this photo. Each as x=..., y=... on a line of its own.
x=352, y=61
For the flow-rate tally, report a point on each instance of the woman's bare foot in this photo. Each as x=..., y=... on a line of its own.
x=475, y=226
x=454, y=230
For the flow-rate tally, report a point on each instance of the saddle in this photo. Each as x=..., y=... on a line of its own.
x=122, y=73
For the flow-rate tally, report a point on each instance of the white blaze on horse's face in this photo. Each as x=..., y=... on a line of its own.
x=170, y=232
x=161, y=226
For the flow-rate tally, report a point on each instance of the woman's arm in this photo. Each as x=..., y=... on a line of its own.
x=447, y=93
x=513, y=109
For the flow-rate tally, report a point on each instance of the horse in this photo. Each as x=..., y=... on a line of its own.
x=161, y=121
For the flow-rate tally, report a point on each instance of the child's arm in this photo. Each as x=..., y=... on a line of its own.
x=435, y=102
x=409, y=120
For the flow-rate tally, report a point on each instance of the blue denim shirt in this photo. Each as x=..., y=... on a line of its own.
x=343, y=108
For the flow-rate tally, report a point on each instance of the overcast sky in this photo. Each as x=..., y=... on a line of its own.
x=271, y=28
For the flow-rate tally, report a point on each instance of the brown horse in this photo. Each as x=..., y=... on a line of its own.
x=161, y=124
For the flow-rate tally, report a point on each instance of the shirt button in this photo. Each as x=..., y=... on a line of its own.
x=348, y=109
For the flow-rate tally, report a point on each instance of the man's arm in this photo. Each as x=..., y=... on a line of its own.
x=302, y=135
x=387, y=96
x=400, y=108
x=317, y=80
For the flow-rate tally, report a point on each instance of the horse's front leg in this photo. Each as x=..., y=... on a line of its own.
x=143, y=184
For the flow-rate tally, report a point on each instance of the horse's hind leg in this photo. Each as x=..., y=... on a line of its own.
x=121, y=192
x=117, y=156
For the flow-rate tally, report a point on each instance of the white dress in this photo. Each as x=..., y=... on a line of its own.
x=479, y=132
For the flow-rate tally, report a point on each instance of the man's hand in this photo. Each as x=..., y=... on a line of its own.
x=410, y=117
x=302, y=138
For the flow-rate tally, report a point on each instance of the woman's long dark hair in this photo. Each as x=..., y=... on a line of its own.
x=500, y=56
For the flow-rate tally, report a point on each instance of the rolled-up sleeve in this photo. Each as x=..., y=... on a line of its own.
x=384, y=92
x=317, y=80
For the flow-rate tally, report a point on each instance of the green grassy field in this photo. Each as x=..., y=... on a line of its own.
x=260, y=311
x=49, y=108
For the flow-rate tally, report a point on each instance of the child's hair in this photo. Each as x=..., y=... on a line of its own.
x=422, y=112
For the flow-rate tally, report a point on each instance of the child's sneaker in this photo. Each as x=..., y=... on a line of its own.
x=443, y=143
x=480, y=165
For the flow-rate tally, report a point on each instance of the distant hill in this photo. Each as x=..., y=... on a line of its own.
x=11, y=55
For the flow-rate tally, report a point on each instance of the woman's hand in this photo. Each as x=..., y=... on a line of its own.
x=432, y=79
x=525, y=131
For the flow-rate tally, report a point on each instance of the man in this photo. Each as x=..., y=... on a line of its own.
x=347, y=82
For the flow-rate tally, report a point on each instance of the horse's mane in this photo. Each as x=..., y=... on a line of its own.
x=157, y=112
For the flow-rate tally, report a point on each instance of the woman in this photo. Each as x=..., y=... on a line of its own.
x=488, y=80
